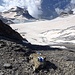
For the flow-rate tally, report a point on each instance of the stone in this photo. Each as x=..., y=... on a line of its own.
x=7, y=66
x=1, y=73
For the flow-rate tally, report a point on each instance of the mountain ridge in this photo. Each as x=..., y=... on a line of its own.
x=16, y=14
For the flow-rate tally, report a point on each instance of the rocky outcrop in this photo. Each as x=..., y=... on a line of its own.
x=7, y=31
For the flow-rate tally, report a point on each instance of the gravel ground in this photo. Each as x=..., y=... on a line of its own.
x=13, y=60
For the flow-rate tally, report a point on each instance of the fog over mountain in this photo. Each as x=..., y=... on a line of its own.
x=46, y=9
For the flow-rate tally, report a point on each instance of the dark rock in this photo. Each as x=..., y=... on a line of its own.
x=27, y=15
x=2, y=44
x=7, y=66
x=1, y=73
x=7, y=31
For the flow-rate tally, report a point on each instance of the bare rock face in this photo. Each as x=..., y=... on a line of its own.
x=7, y=31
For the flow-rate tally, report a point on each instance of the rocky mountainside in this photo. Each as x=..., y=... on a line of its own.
x=12, y=51
x=14, y=56
x=7, y=31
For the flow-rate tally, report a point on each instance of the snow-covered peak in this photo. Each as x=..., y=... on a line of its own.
x=14, y=9
x=17, y=13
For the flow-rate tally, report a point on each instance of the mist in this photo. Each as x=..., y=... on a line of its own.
x=34, y=7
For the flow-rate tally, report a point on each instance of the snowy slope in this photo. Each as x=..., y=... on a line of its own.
x=17, y=12
x=16, y=15
x=53, y=32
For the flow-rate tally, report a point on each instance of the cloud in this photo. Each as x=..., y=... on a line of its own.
x=73, y=1
x=34, y=7
x=1, y=2
x=58, y=10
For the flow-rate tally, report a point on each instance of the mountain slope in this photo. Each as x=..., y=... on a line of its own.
x=8, y=32
x=54, y=32
x=17, y=12
x=16, y=15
